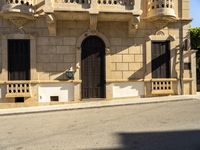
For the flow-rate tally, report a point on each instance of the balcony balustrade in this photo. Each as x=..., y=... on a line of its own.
x=161, y=9
x=115, y=5
x=162, y=86
x=22, y=8
x=18, y=12
x=94, y=6
x=18, y=89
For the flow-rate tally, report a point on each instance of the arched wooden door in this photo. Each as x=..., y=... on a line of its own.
x=93, y=68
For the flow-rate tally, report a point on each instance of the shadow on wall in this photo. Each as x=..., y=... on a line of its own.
x=139, y=40
x=173, y=58
x=172, y=140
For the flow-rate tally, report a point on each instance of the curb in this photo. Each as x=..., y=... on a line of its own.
x=95, y=104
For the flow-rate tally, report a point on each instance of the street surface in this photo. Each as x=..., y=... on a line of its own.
x=156, y=126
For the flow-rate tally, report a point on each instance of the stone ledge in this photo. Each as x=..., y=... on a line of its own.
x=42, y=81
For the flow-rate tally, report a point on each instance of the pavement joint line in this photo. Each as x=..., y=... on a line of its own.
x=94, y=105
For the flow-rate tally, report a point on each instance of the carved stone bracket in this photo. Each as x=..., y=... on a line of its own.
x=93, y=22
x=51, y=21
x=18, y=21
x=161, y=24
x=133, y=25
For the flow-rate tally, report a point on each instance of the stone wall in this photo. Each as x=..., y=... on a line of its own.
x=56, y=54
x=127, y=56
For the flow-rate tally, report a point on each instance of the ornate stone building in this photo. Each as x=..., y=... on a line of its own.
x=68, y=50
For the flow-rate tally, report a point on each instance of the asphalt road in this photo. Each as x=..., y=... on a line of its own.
x=158, y=126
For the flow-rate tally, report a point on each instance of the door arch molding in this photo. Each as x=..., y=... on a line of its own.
x=77, y=65
x=89, y=33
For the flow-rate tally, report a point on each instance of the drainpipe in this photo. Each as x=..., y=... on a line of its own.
x=181, y=48
x=181, y=68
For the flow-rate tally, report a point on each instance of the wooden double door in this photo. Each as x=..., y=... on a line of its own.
x=93, y=68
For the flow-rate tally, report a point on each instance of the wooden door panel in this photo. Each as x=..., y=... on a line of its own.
x=93, y=68
x=160, y=60
x=19, y=59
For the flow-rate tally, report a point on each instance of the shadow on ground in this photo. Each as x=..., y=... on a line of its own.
x=172, y=140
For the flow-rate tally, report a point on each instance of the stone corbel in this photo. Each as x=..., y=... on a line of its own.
x=160, y=24
x=18, y=22
x=93, y=22
x=133, y=25
x=51, y=21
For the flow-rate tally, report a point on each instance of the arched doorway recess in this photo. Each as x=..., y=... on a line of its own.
x=93, y=68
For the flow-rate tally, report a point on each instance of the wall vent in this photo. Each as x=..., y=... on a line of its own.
x=54, y=98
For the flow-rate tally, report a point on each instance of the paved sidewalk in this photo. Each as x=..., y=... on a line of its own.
x=96, y=104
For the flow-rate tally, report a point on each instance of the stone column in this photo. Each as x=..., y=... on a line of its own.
x=34, y=75
x=193, y=70
x=109, y=93
x=4, y=74
x=77, y=76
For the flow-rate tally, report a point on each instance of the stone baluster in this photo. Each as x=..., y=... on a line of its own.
x=94, y=9
x=28, y=2
x=151, y=4
x=171, y=4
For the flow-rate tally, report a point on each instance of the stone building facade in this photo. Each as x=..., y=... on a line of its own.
x=71, y=50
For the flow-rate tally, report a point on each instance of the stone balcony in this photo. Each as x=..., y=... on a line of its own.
x=161, y=10
x=18, y=11
x=94, y=11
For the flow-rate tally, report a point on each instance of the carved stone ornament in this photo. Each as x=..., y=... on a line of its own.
x=18, y=21
x=160, y=33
